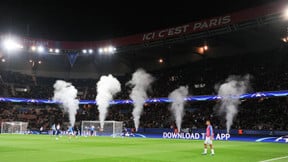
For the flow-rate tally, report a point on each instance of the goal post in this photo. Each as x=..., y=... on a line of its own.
x=15, y=127
x=111, y=128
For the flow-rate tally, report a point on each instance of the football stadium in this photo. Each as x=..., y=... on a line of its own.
x=201, y=87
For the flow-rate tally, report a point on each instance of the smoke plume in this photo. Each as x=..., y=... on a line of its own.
x=140, y=82
x=107, y=87
x=177, y=105
x=230, y=91
x=66, y=93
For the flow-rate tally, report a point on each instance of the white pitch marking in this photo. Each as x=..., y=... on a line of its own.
x=274, y=159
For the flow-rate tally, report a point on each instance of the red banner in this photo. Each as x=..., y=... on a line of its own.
x=188, y=28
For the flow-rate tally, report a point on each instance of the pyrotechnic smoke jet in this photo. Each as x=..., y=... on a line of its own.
x=107, y=87
x=177, y=105
x=140, y=82
x=66, y=93
x=230, y=91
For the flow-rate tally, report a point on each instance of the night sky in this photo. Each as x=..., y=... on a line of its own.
x=96, y=20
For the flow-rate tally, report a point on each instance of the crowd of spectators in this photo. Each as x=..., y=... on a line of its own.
x=201, y=77
x=256, y=114
x=36, y=115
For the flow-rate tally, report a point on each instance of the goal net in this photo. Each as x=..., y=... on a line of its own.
x=15, y=127
x=111, y=128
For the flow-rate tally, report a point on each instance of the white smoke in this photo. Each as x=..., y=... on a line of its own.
x=230, y=91
x=107, y=87
x=66, y=93
x=140, y=82
x=177, y=105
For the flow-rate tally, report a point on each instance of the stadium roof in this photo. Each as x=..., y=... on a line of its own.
x=82, y=21
x=248, y=31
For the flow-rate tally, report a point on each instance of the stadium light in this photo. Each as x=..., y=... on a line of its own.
x=107, y=50
x=40, y=49
x=33, y=48
x=286, y=13
x=57, y=50
x=51, y=50
x=200, y=50
x=100, y=50
x=110, y=49
x=11, y=45
x=90, y=51
x=84, y=51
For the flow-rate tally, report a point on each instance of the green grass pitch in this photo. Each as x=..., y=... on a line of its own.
x=42, y=148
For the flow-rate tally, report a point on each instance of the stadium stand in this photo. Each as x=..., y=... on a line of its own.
x=260, y=114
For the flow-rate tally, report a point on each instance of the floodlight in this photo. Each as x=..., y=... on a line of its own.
x=40, y=49
x=33, y=48
x=100, y=50
x=57, y=50
x=107, y=50
x=10, y=45
x=110, y=49
x=286, y=13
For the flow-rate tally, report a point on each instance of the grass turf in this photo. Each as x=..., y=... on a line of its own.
x=41, y=148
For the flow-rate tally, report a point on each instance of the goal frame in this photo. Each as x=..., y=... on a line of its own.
x=23, y=127
x=114, y=132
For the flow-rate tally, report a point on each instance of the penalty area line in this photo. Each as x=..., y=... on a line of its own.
x=274, y=159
